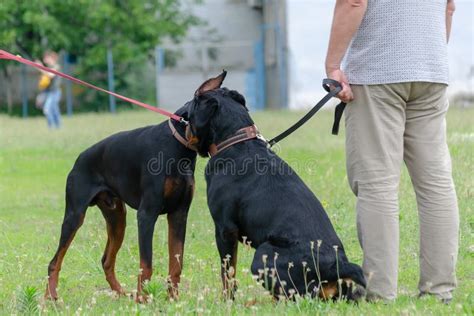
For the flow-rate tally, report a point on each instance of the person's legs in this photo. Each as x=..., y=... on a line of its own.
x=375, y=123
x=55, y=108
x=429, y=164
x=47, y=108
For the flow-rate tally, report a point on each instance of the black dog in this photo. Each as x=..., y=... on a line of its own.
x=256, y=197
x=152, y=170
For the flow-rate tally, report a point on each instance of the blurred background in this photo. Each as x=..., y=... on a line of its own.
x=160, y=51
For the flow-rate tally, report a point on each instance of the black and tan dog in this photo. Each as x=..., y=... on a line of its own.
x=255, y=196
x=151, y=169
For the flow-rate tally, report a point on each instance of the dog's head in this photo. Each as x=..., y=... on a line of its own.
x=215, y=113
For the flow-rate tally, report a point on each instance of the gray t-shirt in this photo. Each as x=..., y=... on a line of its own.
x=399, y=41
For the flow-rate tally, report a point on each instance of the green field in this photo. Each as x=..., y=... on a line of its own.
x=35, y=161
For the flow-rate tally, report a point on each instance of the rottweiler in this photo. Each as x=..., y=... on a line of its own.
x=151, y=169
x=256, y=198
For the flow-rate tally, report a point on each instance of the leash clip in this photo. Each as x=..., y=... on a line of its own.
x=183, y=121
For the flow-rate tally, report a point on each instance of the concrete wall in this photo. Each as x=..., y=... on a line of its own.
x=230, y=22
x=231, y=31
x=276, y=53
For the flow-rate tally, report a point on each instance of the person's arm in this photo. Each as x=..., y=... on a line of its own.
x=450, y=8
x=348, y=15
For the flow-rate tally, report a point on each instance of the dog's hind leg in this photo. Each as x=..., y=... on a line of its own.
x=115, y=214
x=73, y=218
x=347, y=283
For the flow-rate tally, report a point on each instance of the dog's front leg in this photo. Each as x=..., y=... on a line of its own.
x=227, y=244
x=176, y=235
x=146, y=225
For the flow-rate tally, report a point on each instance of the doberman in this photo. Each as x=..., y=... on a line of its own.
x=151, y=169
x=256, y=198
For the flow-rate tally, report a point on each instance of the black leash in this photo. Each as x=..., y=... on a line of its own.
x=327, y=85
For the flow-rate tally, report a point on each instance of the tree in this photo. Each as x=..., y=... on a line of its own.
x=87, y=28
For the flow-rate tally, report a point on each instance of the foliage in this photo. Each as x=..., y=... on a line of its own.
x=87, y=28
x=27, y=300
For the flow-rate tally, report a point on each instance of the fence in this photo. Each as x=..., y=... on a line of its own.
x=168, y=81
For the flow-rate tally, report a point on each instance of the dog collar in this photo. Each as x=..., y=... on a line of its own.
x=180, y=138
x=243, y=134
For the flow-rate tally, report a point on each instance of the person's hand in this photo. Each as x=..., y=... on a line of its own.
x=346, y=93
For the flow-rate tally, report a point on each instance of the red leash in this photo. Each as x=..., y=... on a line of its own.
x=7, y=55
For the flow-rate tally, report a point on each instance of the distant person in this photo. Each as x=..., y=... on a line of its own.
x=50, y=95
x=394, y=80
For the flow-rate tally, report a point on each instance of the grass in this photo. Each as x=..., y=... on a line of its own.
x=34, y=163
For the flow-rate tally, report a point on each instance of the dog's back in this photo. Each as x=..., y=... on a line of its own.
x=127, y=162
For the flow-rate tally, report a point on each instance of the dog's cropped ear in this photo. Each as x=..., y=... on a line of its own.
x=211, y=84
x=206, y=111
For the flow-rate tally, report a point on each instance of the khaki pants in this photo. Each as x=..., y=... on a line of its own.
x=386, y=125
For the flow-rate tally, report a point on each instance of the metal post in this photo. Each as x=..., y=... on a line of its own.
x=204, y=61
x=279, y=53
x=280, y=65
x=159, y=65
x=259, y=59
x=24, y=92
x=68, y=83
x=110, y=75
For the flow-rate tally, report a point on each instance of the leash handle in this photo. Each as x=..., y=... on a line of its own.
x=333, y=87
x=8, y=56
x=328, y=83
x=337, y=117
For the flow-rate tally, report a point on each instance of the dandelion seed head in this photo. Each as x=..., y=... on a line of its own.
x=371, y=274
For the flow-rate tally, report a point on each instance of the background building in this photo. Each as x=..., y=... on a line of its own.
x=247, y=38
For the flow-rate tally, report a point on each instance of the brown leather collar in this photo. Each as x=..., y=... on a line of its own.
x=180, y=138
x=241, y=135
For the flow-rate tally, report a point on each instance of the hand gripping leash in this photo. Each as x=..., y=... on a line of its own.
x=333, y=87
